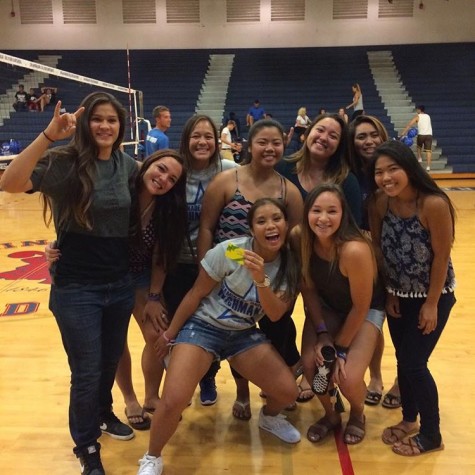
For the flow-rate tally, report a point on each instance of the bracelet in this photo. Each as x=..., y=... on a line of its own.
x=341, y=354
x=264, y=283
x=321, y=328
x=47, y=138
x=341, y=349
x=169, y=341
x=154, y=296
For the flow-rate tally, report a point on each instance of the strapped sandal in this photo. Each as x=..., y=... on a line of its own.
x=393, y=434
x=391, y=401
x=414, y=446
x=321, y=429
x=355, y=430
x=373, y=398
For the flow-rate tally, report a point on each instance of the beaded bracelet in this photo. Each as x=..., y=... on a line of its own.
x=154, y=296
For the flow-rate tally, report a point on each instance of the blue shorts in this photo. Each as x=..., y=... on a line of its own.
x=223, y=344
x=141, y=280
x=376, y=317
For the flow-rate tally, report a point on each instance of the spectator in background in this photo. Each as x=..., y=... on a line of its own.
x=48, y=96
x=302, y=119
x=21, y=99
x=343, y=114
x=33, y=101
x=236, y=132
x=357, y=103
x=424, y=134
x=256, y=112
x=227, y=144
x=156, y=138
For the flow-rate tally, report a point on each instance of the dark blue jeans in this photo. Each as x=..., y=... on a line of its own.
x=93, y=321
x=418, y=389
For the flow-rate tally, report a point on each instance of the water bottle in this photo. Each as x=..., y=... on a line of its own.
x=321, y=380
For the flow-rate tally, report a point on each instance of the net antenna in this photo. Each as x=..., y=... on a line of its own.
x=134, y=94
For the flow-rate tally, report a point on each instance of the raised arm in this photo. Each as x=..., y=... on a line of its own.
x=272, y=302
x=16, y=178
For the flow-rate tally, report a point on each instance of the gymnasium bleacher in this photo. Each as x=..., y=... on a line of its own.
x=438, y=76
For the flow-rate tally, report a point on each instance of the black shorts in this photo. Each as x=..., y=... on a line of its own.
x=424, y=142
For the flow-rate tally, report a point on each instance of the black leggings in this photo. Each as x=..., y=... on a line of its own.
x=418, y=389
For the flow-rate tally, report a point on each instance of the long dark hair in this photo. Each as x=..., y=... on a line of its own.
x=417, y=176
x=169, y=216
x=357, y=165
x=83, y=150
x=289, y=271
x=347, y=231
x=337, y=168
x=185, y=140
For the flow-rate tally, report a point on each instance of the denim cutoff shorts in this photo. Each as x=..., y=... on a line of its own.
x=223, y=344
x=376, y=317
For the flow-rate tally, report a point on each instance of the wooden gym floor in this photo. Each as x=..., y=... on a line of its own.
x=34, y=383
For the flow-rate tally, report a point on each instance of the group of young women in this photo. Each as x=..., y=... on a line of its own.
x=264, y=236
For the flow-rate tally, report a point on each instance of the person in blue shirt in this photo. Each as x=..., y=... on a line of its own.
x=156, y=138
x=256, y=112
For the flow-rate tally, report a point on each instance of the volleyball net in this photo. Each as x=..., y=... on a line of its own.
x=71, y=89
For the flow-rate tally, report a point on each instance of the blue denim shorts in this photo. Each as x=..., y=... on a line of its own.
x=223, y=344
x=141, y=280
x=376, y=317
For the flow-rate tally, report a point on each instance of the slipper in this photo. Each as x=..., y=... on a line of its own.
x=242, y=410
x=413, y=446
x=321, y=429
x=356, y=429
x=373, y=398
x=305, y=394
x=391, y=401
x=397, y=433
x=145, y=420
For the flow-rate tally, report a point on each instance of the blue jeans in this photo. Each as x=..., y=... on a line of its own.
x=93, y=321
x=419, y=393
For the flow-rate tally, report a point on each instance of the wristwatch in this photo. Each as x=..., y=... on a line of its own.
x=264, y=283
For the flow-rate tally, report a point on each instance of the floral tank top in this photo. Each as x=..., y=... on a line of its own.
x=408, y=255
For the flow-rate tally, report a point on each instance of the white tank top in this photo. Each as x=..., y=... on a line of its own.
x=424, y=126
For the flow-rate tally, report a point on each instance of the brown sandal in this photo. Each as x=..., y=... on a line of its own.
x=321, y=429
x=413, y=446
x=393, y=434
x=354, y=428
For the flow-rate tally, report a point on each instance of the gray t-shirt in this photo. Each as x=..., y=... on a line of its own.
x=101, y=254
x=196, y=183
x=234, y=303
